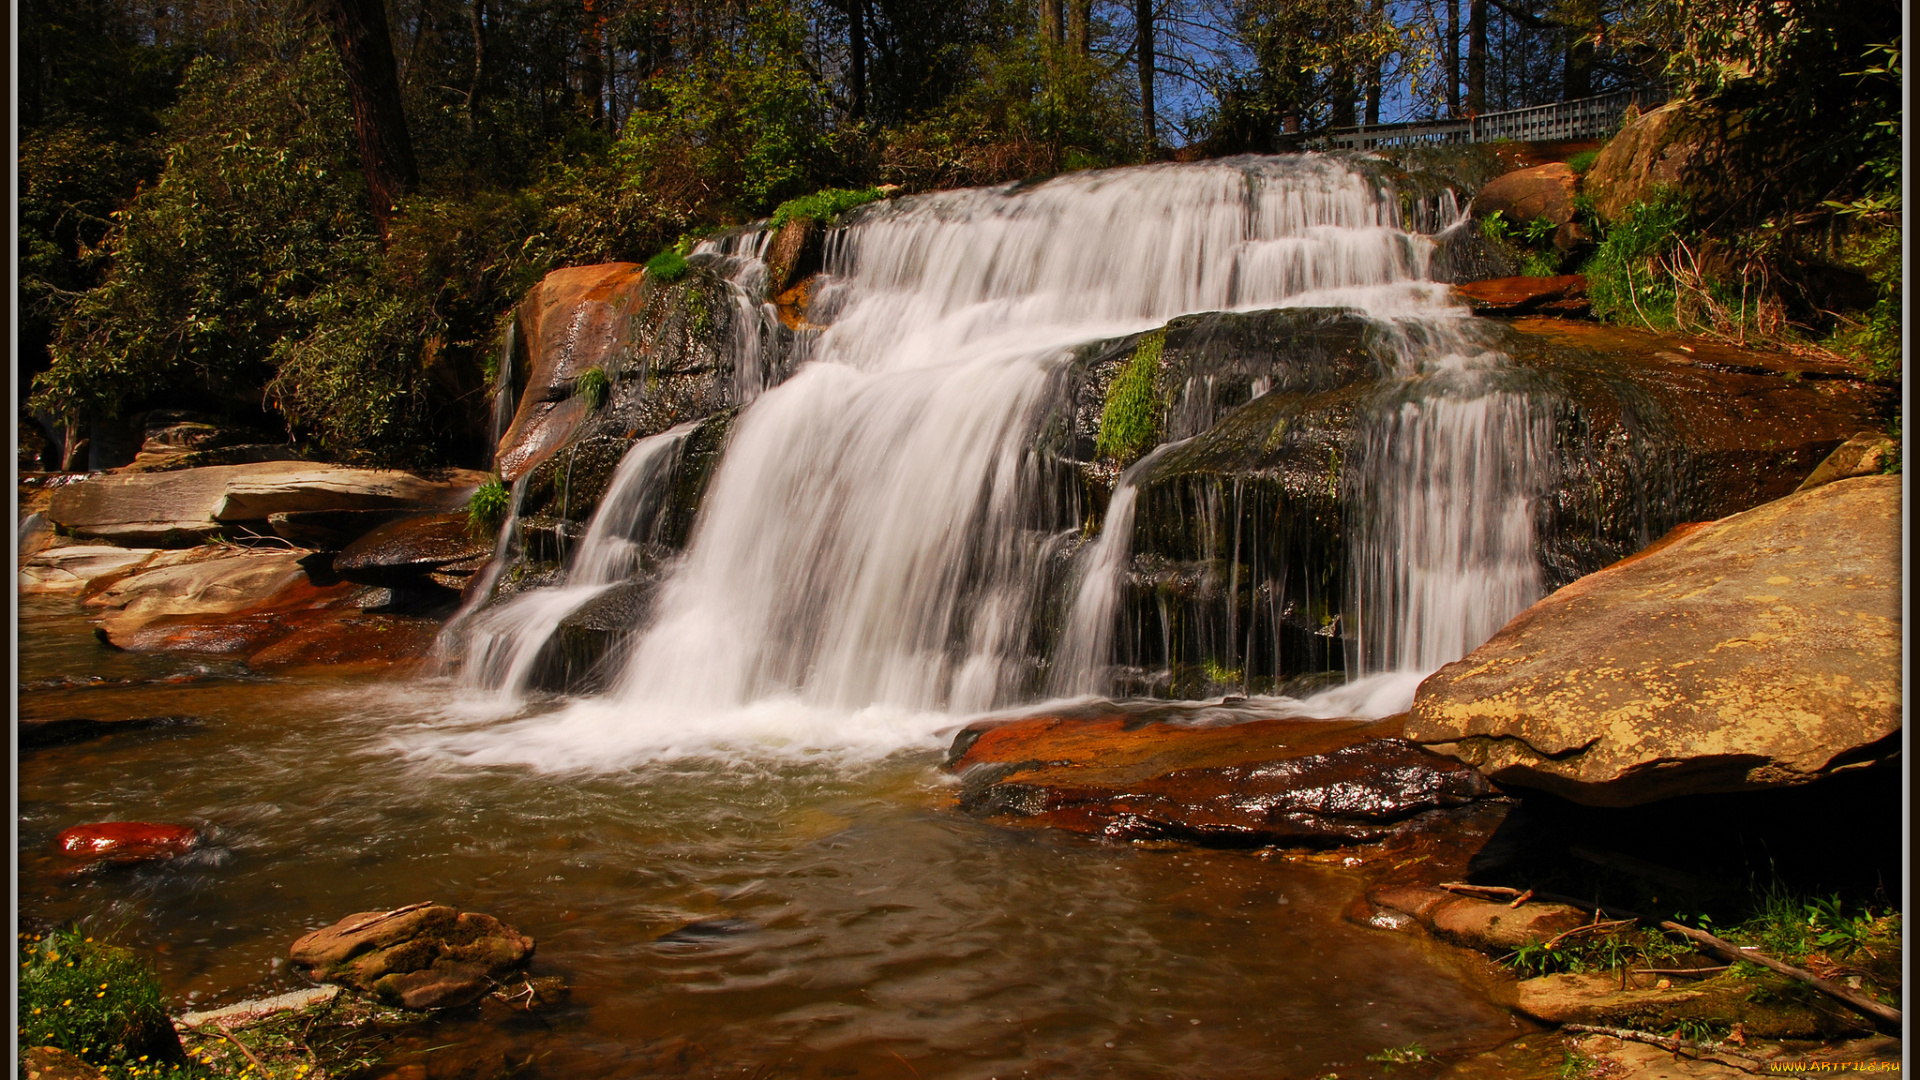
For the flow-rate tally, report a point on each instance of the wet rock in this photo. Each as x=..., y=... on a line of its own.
x=525, y=995
x=794, y=253
x=35, y=733
x=1758, y=1005
x=349, y=640
x=576, y=318
x=338, y=487
x=199, y=583
x=53, y=1063
x=408, y=548
x=1304, y=782
x=424, y=956
x=1478, y=924
x=126, y=841
x=330, y=530
x=1564, y=295
x=1544, y=191
x=1866, y=454
x=79, y=568
x=1761, y=651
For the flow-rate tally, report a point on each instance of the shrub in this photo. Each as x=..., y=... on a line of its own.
x=487, y=508
x=96, y=1000
x=823, y=206
x=1624, y=281
x=1130, y=422
x=667, y=267
x=591, y=387
x=1583, y=161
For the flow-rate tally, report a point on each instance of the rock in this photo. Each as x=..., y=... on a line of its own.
x=177, y=440
x=330, y=530
x=1564, y=295
x=53, y=1063
x=79, y=568
x=1311, y=782
x=1479, y=924
x=183, y=507
x=793, y=254
x=423, y=956
x=202, y=582
x=1866, y=454
x=339, y=487
x=1761, y=651
x=72, y=729
x=348, y=640
x=406, y=549
x=36, y=535
x=1764, y=1007
x=1544, y=191
x=576, y=318
x=1660, y=149
x=792, y=304
x=126, y=841
x=247, y=1012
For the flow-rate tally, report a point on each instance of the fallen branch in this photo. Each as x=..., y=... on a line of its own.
x=1682, y=971
x=257, y=1063
x=1677, y=1045
x=1589, y=928
x=1857, y=1001
x=1521, y=899
x=1492, y=892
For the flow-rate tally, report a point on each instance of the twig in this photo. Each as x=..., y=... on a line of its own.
x=1668, y=1042
x=1500, y=892
x=1857, y=1001
x=257, y=1063
x=1521, y=899
x=1592, y=927
x=1681, y=971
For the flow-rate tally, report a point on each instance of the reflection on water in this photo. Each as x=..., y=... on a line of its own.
x=873, y=932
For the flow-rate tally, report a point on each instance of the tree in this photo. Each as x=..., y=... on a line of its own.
x=359, y=31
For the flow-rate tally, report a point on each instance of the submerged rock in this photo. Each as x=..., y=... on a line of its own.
x=126, y=841
x=1760, y=651
x=38, y=732
x=424, y=956
x=1299, y=782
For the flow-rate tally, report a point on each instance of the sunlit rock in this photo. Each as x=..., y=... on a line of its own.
x=424, y=956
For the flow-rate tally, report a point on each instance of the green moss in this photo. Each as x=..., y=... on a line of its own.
x=1540, y=264
x=487, y=508
x=823, y=206
x=699, y=314
x=1583, y=161
x=96, y=1000
x=1130, y=421
x=667, y=267
x=591, y=387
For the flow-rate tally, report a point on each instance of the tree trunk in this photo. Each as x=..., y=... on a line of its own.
x=479, y=58
x=857, y=55
x=1579, y=69
x=1476, y=56
x=1453, y=59
x=591, y=74
x=1053, y=21
x=1079, y=20
x=1143, y=52
x=359, y=29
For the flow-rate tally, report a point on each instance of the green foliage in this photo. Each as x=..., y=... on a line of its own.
x=487, y=508
x=1221, y=675
x=1410, y=1054
x=1592, y=952
x=1791, y=927
x=96, y=1000
x=823, y=206
x=1624, y=281
x=667, y=267
x=1130, y=420
x=1583, y=161
x=591, y=387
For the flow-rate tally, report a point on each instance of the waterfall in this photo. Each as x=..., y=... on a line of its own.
x=504, y=644
x=878, y=539
x=503, y=402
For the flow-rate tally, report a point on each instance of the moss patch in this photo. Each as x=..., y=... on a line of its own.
x=1130, y=421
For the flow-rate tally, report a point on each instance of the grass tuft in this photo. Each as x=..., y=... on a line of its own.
x=667, y=267
x=487, y=508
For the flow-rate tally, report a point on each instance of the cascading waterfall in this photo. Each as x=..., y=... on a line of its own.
x=875, y=540
x=504, y=644
x=503, y=402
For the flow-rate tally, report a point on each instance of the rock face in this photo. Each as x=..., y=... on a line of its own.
x=1760, y=651
x=1866, y=454
x=1295, y=782
x=1478, y=924
x=411, y=548
x=126, y=841
x=187, y=506
x=79, y=568
x=1544, y=191
x=575, y=319
x=425, y=956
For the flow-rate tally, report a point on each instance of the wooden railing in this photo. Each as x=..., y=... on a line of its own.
x=1582, y=118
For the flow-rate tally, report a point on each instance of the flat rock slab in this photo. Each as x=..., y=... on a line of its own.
x=410, y=547
x=1274, y=781
x=423, y=956
x=1478, y=924
x=198, y=583
x=126, y=841
x=1763, y=1009
x=79, y=568
x=1562, y=294
x=188, y=505
x=1760, y=651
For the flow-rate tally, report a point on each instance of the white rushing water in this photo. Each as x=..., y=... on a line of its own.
x=869, y=556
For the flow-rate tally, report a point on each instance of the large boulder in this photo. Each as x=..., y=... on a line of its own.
x=1760, y=651
x=1664, y=148
x=1544, y=191
x=411, y=548
x=423, y=956
x=190, y=505
x=1274, y=781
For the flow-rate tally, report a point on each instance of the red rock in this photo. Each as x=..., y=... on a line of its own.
x=351, y=640
x=1259, y=782
x=575, y=319
x=1544, y=191
x=408, y=548
x=1564, y=295
x=126, y=841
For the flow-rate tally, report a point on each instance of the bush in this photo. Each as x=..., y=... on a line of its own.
x=487, y=508
x=823, y=206
x=1624, y=280
x=667, y=267
x=1583, y=161
x=1130, y=422
x=96, y=1000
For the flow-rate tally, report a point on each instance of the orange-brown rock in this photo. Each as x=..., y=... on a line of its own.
x=1478, y=924
x=1564, y=295
x=350, y=640
x=1544, y=191
x=576, y=318
x=1272, y=781
x=794, y=253
x=423, y=956
x=1660, y=149
x=126, y=841
x=408, y=548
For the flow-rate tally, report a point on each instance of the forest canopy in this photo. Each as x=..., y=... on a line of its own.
x=315, y=214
